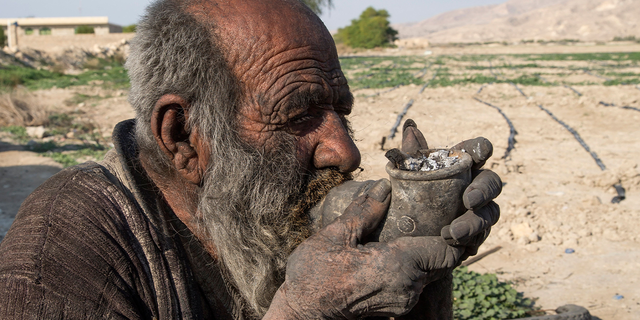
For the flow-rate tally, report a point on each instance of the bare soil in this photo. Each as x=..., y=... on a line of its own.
x=555, y=197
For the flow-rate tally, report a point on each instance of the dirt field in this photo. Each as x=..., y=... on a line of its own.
x=555, y=196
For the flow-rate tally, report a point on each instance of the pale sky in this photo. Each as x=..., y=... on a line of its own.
x=125, y=12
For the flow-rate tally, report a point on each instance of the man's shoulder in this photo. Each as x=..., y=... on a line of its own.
x=78, y=211
x=71, y=242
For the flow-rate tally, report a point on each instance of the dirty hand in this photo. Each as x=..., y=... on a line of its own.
x=472, y=228
x=333, y=275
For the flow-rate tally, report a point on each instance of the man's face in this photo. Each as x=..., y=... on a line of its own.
x=292, y=83
x=291, y=115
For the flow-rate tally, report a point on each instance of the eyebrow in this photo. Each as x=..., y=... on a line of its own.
x=302, y=99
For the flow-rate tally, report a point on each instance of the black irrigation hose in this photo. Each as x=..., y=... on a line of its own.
x=613, y=105
x=394, y=129
x=596, y=75
x=428, y=82
x=381, y=92
x=484, y=86
x=516, y=86
x=423, y=72
x=609, y=79
x=577, y=136
x=512, y=130
x=564, y=85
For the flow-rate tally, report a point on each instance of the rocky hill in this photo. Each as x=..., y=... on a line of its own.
x=514, y=20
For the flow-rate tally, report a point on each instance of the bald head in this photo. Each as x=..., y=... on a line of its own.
x=250, y=28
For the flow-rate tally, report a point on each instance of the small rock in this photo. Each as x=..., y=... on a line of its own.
x=532, y=248
x=521, y=230
x=523, y=241
x=534, y=237
x=571, y=242
x=592, y=201
x=70, y=135
x=584, y=233
x=81, y=104
x=35, y=132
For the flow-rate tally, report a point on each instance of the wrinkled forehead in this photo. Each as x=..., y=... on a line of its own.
x=252, y=30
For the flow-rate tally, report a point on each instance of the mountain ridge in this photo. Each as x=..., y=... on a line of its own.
x=515, y=20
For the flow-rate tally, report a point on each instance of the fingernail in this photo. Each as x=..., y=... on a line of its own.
x=486, y=146
x=473, y=198
x=409, y=123
x=380, y=190
x=460, y=230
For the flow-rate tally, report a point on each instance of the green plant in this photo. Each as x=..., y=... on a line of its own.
x=369, y=31
x=19, y=133
x=110, y=73
x=84, y=29
x=72, y=158
x=42, y=146
x=482, y=296
x=130, y=28
x=627, y=38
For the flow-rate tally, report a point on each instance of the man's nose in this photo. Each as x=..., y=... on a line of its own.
x=335, y=147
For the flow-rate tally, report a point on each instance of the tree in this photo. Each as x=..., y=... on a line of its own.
x=369, y=31
x=316, y=5
x=130, y=28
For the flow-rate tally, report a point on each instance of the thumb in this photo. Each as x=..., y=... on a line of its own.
x=412, y=138
x=361, y=217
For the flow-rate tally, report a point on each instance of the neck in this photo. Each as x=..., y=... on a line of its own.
x=182, y=197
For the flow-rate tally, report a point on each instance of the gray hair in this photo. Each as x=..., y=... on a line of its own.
x=174, y=53
x=252, y=203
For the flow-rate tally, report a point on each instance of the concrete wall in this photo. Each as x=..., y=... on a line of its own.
x=85, y=41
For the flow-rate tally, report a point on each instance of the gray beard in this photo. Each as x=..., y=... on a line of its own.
x=254, y=209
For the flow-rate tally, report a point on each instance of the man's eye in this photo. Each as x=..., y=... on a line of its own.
x=301, y=119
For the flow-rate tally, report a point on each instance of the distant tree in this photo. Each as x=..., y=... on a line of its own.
x=317, y=5
x=3, y=39
x=130, y=28
x=369, y=31
x=84, y=29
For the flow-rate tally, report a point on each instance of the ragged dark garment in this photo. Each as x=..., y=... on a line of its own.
x=97, y=241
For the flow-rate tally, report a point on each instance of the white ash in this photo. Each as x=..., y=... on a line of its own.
x=435, y=161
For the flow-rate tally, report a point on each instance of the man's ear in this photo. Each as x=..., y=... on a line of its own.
x=183, y=147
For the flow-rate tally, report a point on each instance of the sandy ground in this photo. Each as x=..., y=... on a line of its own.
x=555, y=197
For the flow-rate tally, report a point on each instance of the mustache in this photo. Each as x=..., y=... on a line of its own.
x=317, y=186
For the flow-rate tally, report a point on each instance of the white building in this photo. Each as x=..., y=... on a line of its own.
x=18, y=28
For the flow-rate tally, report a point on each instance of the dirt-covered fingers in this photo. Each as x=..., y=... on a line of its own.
x=485, y=187
x=474, y=224
x=412, y=138
x=361, y=217
x=479, y=148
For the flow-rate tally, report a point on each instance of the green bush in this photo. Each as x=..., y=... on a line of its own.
x=369, y=31
x=3, y=39
x=130, y=28
x=84, y=29
x=481, y=296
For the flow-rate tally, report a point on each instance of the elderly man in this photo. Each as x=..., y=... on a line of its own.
x=240, y=129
